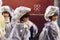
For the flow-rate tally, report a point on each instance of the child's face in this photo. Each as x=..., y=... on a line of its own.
x=25, y=19
x=54, y=18
x=5, y=15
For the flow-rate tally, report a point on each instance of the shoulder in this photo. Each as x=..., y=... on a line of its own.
x=31, y=23
x=48, y=23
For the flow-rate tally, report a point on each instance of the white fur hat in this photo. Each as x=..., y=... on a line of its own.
x=20, y=11
x=50, y=11
x=6, y=8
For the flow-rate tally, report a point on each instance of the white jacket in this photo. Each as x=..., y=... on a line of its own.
x=50, y=32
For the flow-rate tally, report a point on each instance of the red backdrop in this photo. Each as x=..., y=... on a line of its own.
x=38, y=8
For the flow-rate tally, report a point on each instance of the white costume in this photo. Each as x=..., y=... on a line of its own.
x=20, y=30
x=8, y=24
x=24, y=10
x=51, y=30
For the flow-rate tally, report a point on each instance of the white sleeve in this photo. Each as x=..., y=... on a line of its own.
x=35, y=29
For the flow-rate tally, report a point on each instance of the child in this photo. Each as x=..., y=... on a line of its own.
x=51, y=30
